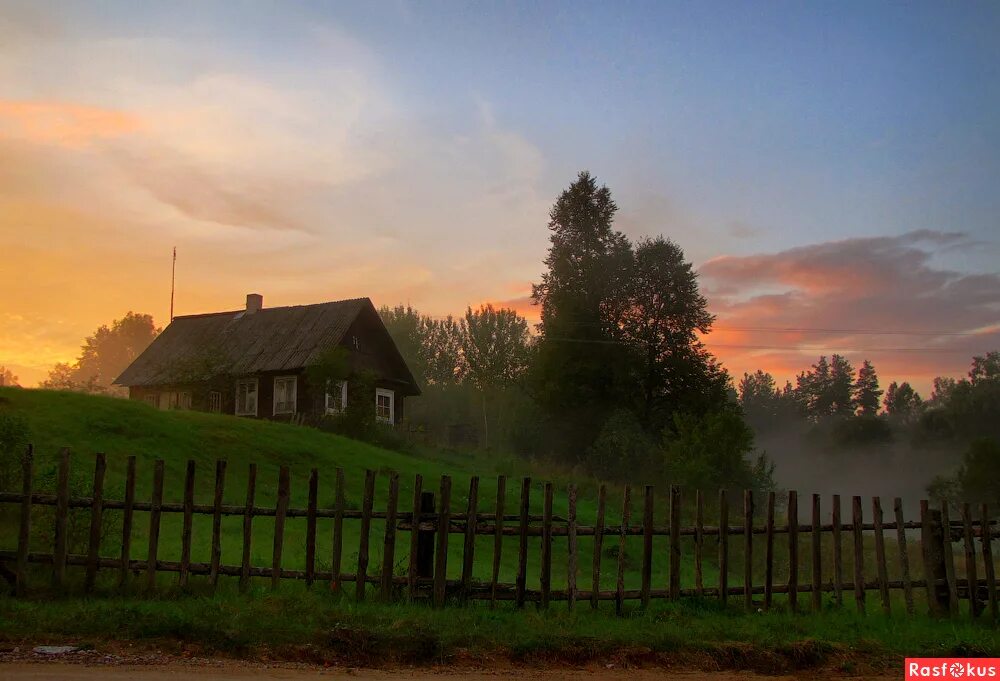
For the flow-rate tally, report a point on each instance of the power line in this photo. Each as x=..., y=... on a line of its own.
x=871, y=332
x=798, y=348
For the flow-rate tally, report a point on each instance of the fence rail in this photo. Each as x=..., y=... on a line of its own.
x=431, y=522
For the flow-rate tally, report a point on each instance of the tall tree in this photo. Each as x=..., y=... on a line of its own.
x=660, y=320
x=579, y=369
x=902, y=402
x=841, y=387
x=105, y=355
x=867, y=394
x=441, y=347
x=495, y=347
x=812, y=389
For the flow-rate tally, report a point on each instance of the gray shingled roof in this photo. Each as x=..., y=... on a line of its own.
x=236, y=343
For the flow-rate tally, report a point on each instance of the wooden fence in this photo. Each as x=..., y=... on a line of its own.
x=433, y=524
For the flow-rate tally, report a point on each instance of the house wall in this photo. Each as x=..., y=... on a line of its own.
x=308, y=401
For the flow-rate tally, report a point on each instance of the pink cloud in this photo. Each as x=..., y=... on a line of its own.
x=877, y=298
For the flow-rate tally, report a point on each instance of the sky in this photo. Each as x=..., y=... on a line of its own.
x=831, y=169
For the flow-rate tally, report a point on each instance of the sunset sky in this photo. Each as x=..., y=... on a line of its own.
x=832, y=169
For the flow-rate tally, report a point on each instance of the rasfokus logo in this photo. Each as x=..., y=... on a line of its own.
x=952, y=668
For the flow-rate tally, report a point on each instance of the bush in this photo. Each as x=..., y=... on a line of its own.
x=714, y=451
x=622, y=447
x=976, y=481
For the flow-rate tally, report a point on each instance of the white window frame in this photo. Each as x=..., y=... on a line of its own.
x=385, y=392
x=256, y=396
x=329, y=404
x=295, y=390
x=214, y=402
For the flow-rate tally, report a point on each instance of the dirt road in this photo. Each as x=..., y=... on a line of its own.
x=229, y=671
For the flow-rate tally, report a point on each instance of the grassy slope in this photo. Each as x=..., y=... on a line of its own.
x=89, y=424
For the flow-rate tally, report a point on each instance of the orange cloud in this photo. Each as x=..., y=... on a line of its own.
x=62, y=123
x=523, y=306
x=875, y=298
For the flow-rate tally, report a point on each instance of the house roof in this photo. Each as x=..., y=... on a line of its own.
x=237, y=343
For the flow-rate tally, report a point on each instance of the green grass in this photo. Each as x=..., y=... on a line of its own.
x=119, y=428
x=315, y=626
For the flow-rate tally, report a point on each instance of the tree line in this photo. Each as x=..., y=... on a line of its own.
x=832, y=406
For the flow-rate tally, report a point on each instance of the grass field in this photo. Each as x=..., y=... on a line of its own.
x=317, y=627
x=120, y=428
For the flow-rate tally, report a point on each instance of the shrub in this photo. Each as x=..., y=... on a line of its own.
x=714, y=451
x=622, y=447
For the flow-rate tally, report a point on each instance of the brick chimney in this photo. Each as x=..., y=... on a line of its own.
x=255, y=302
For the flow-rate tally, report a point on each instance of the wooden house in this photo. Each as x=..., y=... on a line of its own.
x=253, y=362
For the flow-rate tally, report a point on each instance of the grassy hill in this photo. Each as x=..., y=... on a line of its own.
x=119, y=428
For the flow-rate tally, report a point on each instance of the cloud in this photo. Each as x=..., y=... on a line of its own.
x=63, y=123
x=305, y=183
x=878, y=298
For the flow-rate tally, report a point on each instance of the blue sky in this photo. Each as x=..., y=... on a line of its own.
x=409, y=151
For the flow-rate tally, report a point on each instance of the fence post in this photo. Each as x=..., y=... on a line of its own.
x=792, y=513
x=389, y=538
x=367, y=502
x=248, y=527
x=522, y=549
x=416, y=537
x=723, y=548
x=498, y=537
x=156, y=502
x=62, y=515
x=595, y=591
x=311, y=504
x=280, y=510
x=674, y=578
x=647, y=546
x=337, y=546
x=545, y=577
x=986, y=538
x=127, y=515
x=949, y=559
x=769, y=552
x=622, y=534
x=970, y=561
x=220, y=483
x=425, y=546
x=932, y=551
x=748, y=550
x=904, y=556
x=469, y=549
x=188, y=523
x=24, y=534
x=441, y=553
x=571, y=547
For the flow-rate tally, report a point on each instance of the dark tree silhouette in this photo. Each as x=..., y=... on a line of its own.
x=867, y=394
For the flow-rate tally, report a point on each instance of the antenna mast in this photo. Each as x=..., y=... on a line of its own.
x=173, y=272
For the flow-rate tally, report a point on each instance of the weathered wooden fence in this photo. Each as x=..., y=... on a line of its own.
x=433, y=524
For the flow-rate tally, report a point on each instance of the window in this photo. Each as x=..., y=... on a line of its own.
x=215, y=401
x=246, y=397
x=284, y=395
x=384, y=404
x=175, y=400
x=336, y=396
x=152, y=399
